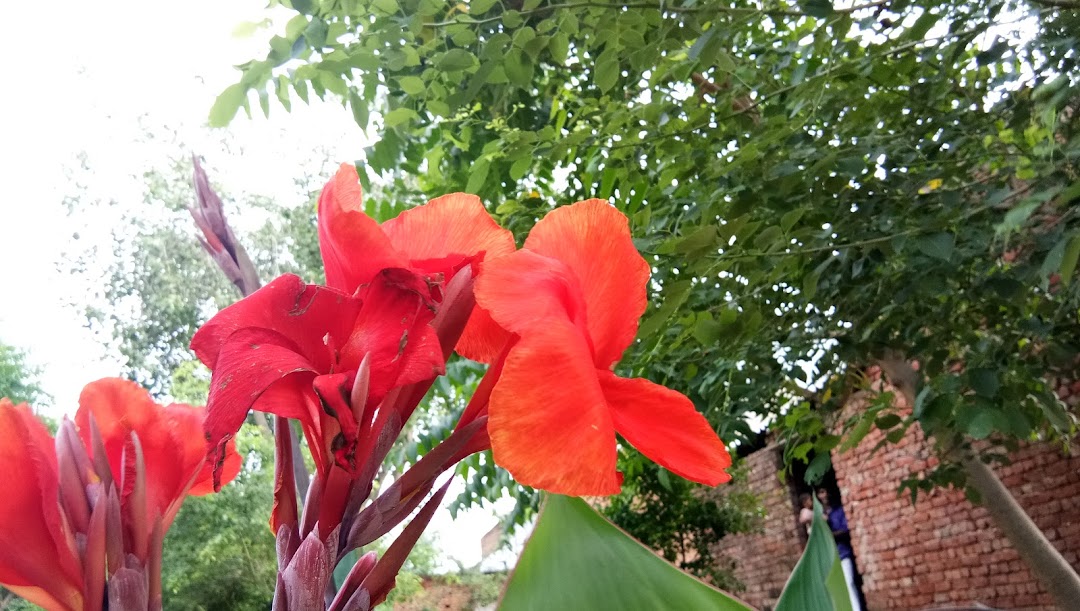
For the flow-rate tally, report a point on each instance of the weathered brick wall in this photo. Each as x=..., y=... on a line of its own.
x=764, y=560
x=943, y=550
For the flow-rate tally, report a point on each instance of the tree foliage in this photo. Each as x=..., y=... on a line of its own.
x=821, y=187
x=18, y=378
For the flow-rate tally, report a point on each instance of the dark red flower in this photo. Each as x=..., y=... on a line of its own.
x=293, y=349
x=573, y=296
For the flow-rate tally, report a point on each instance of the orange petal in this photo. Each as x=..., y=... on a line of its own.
x=354, y=247
x=664, y=426
x=548, y=423
x=593, y=239
x=36, y=559
x=455, y=224
x=187, y=430
x=523, y=291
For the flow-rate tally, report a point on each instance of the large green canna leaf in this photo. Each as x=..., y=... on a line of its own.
x=576, y=559
x=818, y=581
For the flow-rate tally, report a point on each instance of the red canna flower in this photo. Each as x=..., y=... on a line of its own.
x=573, y=296
x=84, y=521
x=38, y=556
x=171, y=441
x=434, y=240
x=293, y=349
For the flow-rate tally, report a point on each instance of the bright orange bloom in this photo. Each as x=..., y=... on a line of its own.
x=38, y=556
x=69, y=539
x=171, y=439
x=573, y=297
x=434, y=240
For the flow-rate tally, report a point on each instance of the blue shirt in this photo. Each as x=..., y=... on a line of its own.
x=838, y=521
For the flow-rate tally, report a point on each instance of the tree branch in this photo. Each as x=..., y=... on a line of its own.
x=658, y=7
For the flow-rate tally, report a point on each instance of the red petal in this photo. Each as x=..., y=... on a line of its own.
x=456, y=224
x=523, y=291
x=393, y=327
x=354, y=247
x=593, y=239
x=303, y=313
x=36, y=557
x=253, y=362
x=188, y=433
x=664, y=426
x=548, y=422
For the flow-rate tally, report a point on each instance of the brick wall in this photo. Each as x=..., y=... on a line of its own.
x=944, y=551
x=941, y=552
x=764, y=560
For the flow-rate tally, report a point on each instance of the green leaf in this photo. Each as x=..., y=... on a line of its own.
x=922, y=25
x=519, y=68
x=456, y=60
x=226, y=105
x=478, y=175
x=981, y=424
x=817, y=8
x=576, y=559
x=398, y=116
x=412, y=85
x=512, y=19
x=521, y=167
x=938, y=245
x=984, y=382
x=479, y=7
x=559, y=47
x=818, y=580
x=360, y=110
x=1069, y=259
x=887, y=421
x=386, y=6
x=606, y=71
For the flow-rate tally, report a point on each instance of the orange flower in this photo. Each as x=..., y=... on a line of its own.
x=69, y=539
x=573, y=296
x=170, y=437
x=434, y=240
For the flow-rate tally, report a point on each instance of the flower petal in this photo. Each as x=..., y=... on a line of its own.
x=187, y=430
x=593, y=239
x=36, y=559
x=354, y=247
x=256, y=369
x=664, y=426
x=455, y=224
x=305, y=314
x=548, y=422
x=524, y=291
x=393, y=328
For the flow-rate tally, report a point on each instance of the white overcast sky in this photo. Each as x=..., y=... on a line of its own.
x=80, y=77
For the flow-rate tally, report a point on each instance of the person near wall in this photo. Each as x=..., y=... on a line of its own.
x=839, y=526
x=806, y=511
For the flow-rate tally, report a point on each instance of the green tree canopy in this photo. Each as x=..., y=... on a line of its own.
x=821, y=187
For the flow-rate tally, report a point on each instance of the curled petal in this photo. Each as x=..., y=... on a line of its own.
x=37, y=555
x=251, y=363
x=664, y=426
x=548, y=421
x=593, y=239
x=525, y=291
x=354, y=247
x=393, y=330
x=316, y=319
